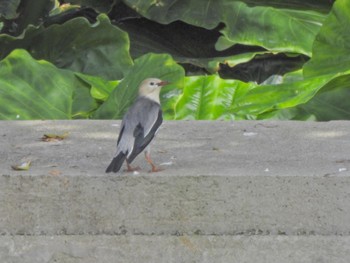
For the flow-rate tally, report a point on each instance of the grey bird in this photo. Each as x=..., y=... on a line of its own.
x=139, y=126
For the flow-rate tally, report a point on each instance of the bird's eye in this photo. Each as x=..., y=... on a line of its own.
x=152, y=83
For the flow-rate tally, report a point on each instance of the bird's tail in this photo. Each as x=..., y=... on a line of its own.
x=116, y=163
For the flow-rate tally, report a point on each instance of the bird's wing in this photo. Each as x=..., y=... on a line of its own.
x=148, y=122
x=139, y=126
x=121, y=132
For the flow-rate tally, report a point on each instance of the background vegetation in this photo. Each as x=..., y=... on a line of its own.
x=226, y=59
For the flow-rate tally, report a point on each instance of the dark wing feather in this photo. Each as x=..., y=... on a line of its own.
x=121, y=133
x=142, y=140
x=116, y=163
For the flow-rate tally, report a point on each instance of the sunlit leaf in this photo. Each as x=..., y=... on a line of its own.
x=22, y=167
x=209, y=97
x=331, y=56
x=31, y=89
x=279, y=30
x=332, y=45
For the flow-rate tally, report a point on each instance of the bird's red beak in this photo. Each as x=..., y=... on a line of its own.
x=163, y=83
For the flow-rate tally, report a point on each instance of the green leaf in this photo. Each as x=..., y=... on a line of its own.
x=321, y=97
x=331, y=56
x=282, y=29
x=322, y=6
x=150, y=65
x=59, y=11
x=8, y=8
x=100, y=88
x=285, y=27
x=98, y=49
x=287, y=114
x=332, y=45
x=263, y=98
x=331, y=102
x=209, y=98
x=31, y=89
x=195, y=12
x=231, y=61
x=279, y=30
x=196, y=52
x=32, y=13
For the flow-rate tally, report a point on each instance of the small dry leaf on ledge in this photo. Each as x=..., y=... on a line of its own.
x=22, y=167
x=54, y=137
x=55, y=172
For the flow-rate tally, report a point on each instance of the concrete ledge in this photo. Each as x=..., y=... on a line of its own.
x=279, y=191
x=214, y=148
x=204, y=249
x=221, y=178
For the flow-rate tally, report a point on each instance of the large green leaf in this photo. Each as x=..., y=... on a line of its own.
x=332, y=102
x=264, y=98
x=31, y=89
x=29, y=13
x=207, y=12
x=332, y=45
x=208, y=97
x=329, y=103
x=282, y=29
x=331, y=56
x=202, y=13
x=323, y=95
x=197, y=53
x=8, y=8
x=98, y=49
x=150, y=65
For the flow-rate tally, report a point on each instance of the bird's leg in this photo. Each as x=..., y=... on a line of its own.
x=130, y=168
x=149, y=160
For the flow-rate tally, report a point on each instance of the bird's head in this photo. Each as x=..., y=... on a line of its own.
x=150, y=88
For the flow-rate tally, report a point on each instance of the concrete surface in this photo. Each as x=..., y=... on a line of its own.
x=250, y=191
x=174, y=249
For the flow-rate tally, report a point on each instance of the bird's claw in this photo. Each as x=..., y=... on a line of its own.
x=156, y=169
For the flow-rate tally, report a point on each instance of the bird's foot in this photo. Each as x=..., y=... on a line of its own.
x=155, y=169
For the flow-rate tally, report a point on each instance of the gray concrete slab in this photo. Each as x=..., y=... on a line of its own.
x=160, y=205
x=203, y=249
x=221, y=178
x=215, y=148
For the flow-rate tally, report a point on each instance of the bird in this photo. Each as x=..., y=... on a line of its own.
x=139, y=126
